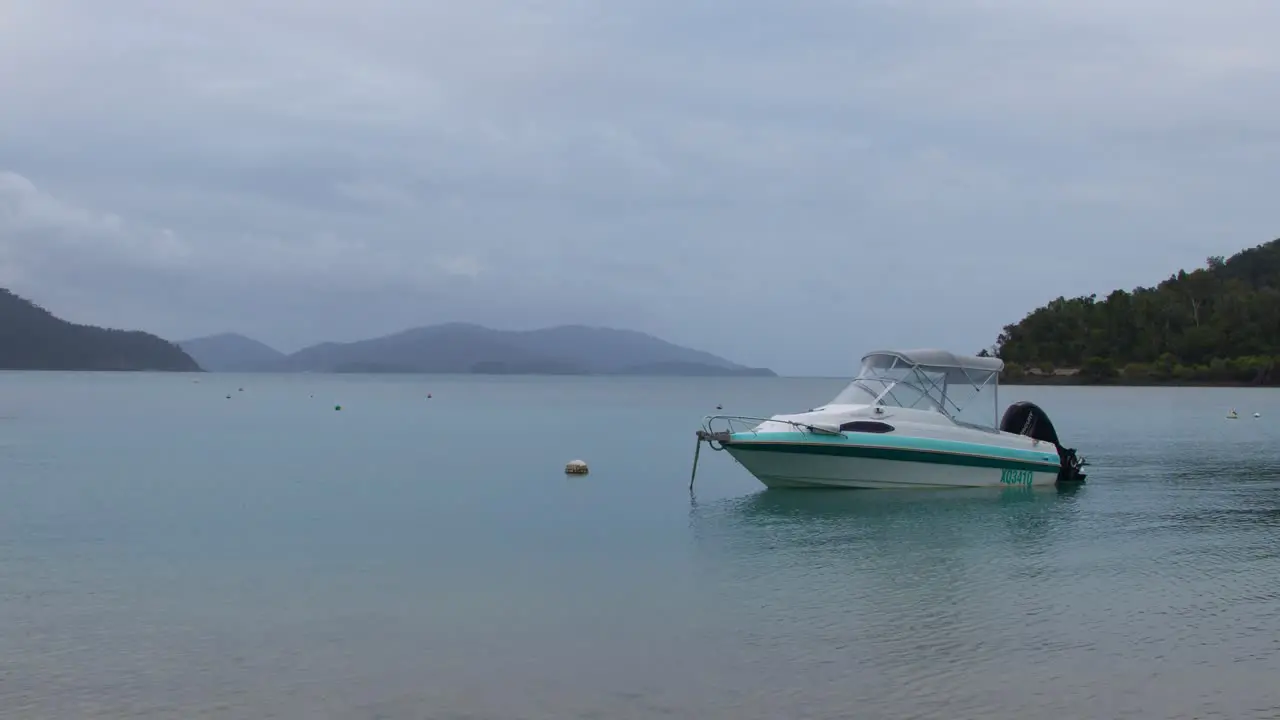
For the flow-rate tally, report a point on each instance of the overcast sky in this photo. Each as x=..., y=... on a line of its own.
x=785, y=183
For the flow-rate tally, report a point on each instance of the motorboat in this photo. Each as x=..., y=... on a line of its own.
x=900, y=423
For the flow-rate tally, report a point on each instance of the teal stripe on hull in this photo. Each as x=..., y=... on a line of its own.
x=921, y=450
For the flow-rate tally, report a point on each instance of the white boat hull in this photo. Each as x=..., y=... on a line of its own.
x=898, y=425
x=801, y=470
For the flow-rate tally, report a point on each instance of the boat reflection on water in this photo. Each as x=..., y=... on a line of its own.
x=943, y=520
x=823, y=503
x=882, y=568
x=844, y=503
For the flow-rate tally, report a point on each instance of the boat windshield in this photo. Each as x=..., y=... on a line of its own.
x=893, y=381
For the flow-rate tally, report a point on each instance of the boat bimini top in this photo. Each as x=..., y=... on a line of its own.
x=924, y=379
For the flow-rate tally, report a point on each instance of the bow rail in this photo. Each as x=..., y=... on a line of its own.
x=717, y=429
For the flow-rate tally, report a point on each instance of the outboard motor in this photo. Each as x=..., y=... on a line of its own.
x=1026, y=418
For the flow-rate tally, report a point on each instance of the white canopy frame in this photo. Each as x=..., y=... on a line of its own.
x=931, y=374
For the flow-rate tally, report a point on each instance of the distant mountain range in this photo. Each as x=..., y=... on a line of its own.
x=230, y=352
x=32, y=338
x=467, y=348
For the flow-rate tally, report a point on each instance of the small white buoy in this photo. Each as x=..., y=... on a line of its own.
x=576, y=467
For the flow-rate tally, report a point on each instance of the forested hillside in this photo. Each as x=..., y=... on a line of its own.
x=31, y=338
x=1219, y=323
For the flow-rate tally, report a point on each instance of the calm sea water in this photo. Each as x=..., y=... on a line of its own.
x=167, y=552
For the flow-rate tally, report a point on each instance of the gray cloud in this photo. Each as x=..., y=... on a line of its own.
x=784, y=183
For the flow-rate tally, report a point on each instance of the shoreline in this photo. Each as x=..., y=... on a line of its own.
x=1060, y=381
x=1119, y=383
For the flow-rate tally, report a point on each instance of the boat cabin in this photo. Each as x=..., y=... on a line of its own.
x=924, y=379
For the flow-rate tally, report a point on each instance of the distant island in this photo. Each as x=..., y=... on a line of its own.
x=1217, y=325
x=474, y=349
x=32, y=338
x=229, y=352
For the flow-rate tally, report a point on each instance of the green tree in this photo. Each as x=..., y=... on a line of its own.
x=1218, y=323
